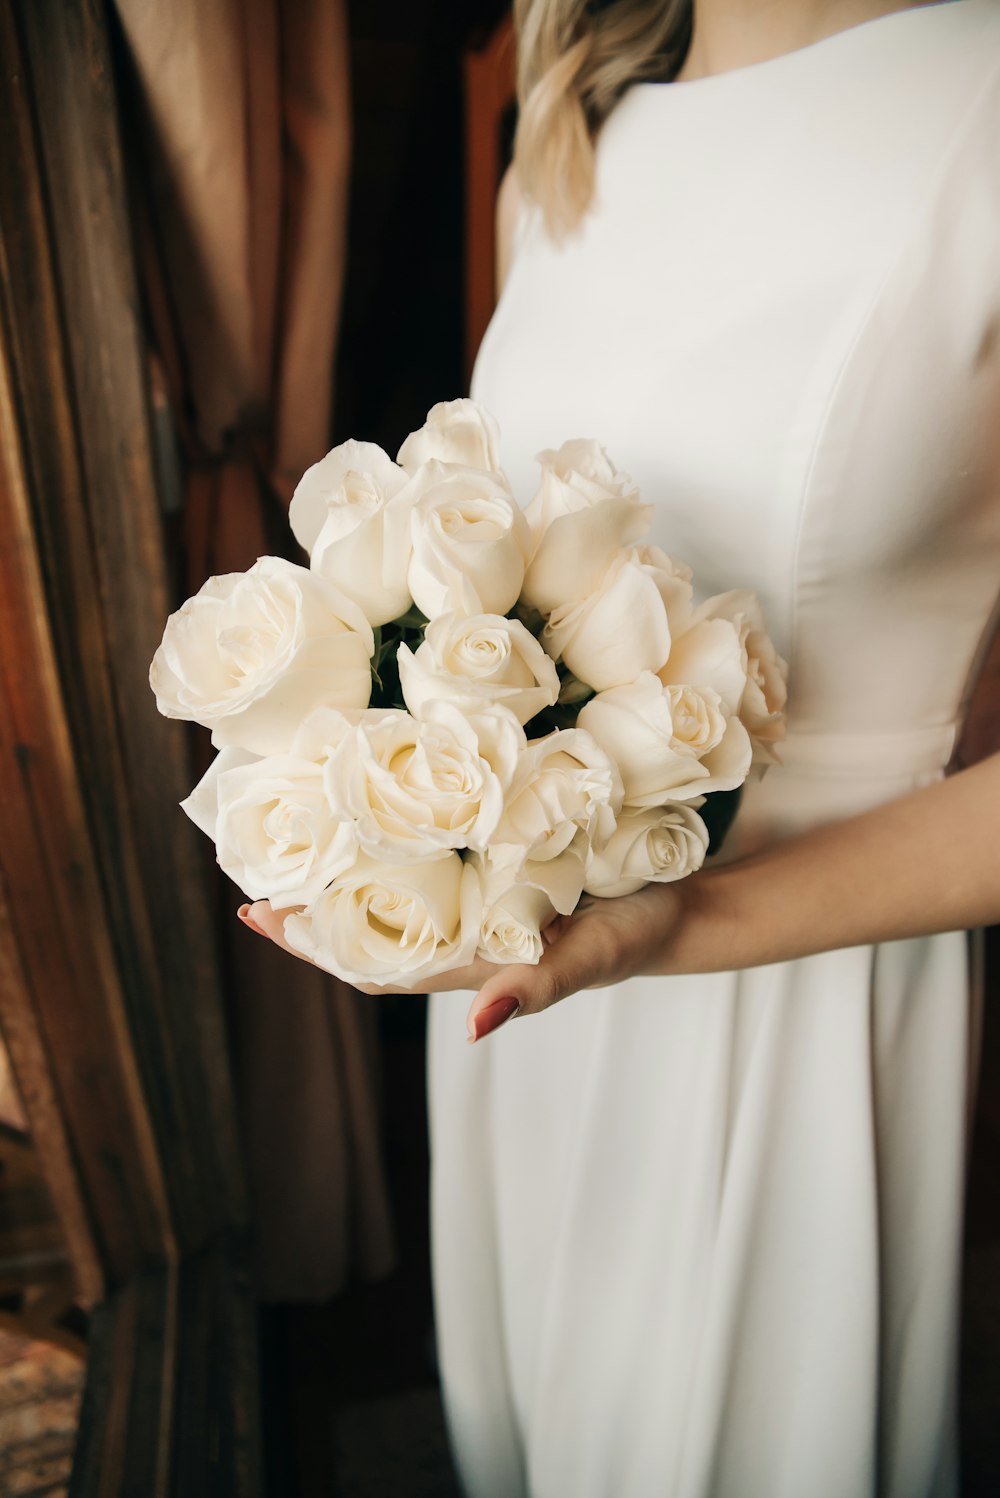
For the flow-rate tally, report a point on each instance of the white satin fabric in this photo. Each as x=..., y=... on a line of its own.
x=699, y=1237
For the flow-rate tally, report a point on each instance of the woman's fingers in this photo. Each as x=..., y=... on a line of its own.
x=473, y=976
x=270, y=923
x=575, y=958
x=602, y=942
x=260, y=917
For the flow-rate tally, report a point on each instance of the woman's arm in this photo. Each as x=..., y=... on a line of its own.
x=927, y=862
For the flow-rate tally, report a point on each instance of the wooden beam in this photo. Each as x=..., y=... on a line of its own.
x=51, y=1134
x=61, y=1007
x=168, y=1410
x=489, y=92
x=115, y=928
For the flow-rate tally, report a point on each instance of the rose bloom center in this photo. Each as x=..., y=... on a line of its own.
x=288, y=826
x=419, y=772
x=485, y=651
x=662, y=849
x=358, y=490
x=692, y=722
x=480, y=520
x=388, y=912
x=251, y=646
x=510, y=935
x=247, y=649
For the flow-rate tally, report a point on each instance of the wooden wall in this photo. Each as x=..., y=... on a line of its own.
x=110, y=988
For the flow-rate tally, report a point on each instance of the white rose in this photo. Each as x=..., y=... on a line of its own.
x=584, y=512
x=414, y=789
x=560, y=878
x=514, y=916
x=709, y=656
x=460, y=432
x=269, y=818
x=322, y=730
x=762, y=706
x=618, y=630
x=253, y=652
x=499, y=735
x=392, y=924
x=673, y=579
x=351, y=511
x=475, y=661
x=669, y=743
x=562, y=801
x=469, y=542
x=650, y=843
x=577, y=475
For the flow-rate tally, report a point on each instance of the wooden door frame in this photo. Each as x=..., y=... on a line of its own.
x=111, y=998
x=489, y=89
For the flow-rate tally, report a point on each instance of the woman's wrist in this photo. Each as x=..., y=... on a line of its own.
x=704, y=933
x=922, y=863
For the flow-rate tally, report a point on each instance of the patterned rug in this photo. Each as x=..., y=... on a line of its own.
x=40, y=1391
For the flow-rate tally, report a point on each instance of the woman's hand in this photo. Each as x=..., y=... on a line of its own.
x=924, y=863
x=602, y=942
x=261, y=918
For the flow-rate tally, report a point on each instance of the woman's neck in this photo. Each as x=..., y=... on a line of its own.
x=730, y=34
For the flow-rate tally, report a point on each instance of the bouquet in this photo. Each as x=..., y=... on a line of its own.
x=463, y=715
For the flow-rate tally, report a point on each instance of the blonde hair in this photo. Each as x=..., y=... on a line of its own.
x=575, y=60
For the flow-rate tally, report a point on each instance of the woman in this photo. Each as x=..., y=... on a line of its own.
x=696, y=1223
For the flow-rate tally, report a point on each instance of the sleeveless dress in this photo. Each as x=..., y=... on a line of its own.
x=699, y=1237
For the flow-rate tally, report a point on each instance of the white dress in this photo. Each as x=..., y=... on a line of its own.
x=699, y=1237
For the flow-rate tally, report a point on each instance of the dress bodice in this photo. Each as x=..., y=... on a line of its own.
x=782, y=317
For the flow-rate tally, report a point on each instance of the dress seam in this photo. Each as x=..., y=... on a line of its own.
x=958, y=143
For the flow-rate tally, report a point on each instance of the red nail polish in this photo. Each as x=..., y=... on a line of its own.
x=493, y=1016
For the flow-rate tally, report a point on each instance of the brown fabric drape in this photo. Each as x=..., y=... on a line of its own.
x=240, y=133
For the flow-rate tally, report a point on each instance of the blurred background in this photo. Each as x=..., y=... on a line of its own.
x=232, y=233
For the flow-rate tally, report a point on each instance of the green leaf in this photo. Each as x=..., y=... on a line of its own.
x=717, y=814
x=413, y=619
x=533, y=621
x=572, y=691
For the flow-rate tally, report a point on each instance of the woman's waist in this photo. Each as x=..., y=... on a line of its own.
x=867, y=753
x=829, y=775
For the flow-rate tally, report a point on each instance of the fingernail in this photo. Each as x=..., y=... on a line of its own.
x=493, y=1016
x=247, y=919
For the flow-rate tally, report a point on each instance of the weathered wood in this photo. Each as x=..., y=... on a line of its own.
x=489, y=92
x=60, y=1003
x=110, y=994
x=77, y=360
x=50, y=1131
x=31, y=1240
x=166, y=1414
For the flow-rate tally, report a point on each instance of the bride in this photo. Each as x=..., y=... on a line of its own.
x=696, y=1214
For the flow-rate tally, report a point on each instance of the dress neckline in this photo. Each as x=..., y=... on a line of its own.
x=810, y=50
